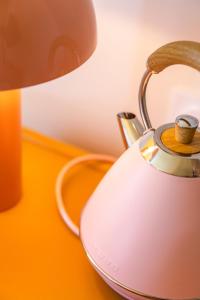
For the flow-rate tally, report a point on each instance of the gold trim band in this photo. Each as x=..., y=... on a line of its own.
x=114, y=281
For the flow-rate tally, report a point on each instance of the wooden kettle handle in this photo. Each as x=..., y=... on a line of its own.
x=180, y=52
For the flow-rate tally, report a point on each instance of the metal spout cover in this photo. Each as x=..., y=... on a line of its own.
x=130, y=127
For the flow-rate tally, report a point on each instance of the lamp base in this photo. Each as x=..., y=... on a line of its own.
x=10, y=149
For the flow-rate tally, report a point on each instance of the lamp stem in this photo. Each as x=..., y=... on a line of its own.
x=10, y=149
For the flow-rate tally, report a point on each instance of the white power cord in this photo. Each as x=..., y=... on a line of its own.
x=59, y=182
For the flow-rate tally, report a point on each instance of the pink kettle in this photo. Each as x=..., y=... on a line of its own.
x=141, y=227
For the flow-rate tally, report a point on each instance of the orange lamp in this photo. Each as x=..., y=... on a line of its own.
x=39, y=41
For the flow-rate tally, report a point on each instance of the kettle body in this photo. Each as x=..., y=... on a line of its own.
x=141, y=230
x=141, y=227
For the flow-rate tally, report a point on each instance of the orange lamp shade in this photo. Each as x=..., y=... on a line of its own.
x=43, y=40
x=39, y=40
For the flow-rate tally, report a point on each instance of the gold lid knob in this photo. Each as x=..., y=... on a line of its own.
x=185, y=128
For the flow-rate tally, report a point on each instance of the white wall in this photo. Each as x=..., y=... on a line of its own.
x=80, y=108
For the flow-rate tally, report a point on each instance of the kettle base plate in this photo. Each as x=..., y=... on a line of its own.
x=119, y=287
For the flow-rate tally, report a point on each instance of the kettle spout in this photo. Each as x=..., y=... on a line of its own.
x=130, y=127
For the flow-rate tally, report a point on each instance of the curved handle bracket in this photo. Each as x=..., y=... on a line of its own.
x=180, y=52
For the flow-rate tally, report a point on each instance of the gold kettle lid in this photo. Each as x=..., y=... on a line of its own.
x=174, y=148
x=183, y=137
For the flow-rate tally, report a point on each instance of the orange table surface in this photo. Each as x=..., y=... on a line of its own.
x=40, y=259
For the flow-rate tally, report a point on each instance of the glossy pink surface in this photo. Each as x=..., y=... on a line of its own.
x=42, y=40
x=142, y=229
